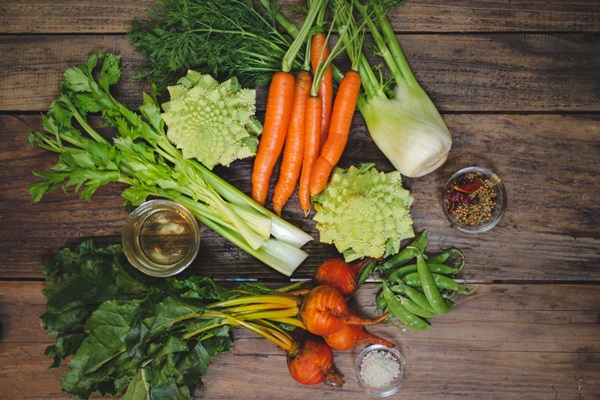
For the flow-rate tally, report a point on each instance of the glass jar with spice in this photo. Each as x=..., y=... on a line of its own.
x=474, y=199
x=380, y=370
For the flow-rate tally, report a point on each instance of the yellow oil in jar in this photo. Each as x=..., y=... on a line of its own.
x=161, y=238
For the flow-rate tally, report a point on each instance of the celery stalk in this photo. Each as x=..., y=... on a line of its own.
x=141, y=157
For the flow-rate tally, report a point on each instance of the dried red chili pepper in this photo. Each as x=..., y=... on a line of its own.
x=469, y=187
x=454, y=198
x=458, y=197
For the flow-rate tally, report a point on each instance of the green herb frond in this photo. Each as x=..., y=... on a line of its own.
x=224, y=39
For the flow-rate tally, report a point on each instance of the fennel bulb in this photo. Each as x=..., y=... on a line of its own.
x=404, y=123
x=409, y=130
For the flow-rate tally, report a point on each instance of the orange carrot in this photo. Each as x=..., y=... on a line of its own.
x=277, y=117
x=293, y=150
x=344, y=107
x=319, y=52
x=312, y=137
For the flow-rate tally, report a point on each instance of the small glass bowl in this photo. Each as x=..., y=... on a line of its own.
x=161, y=238
x=378, y=361
x=484, y=209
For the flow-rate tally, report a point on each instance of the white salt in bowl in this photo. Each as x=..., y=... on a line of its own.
x=380, y=371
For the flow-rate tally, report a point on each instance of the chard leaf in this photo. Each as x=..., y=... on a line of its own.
x=113, y=329
x=64, y=345
x=169, y=312
x=138, y=388
x=129, y=333
x=198, y=287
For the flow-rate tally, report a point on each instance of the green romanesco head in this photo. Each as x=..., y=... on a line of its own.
x=211, y=121
x=364, y=212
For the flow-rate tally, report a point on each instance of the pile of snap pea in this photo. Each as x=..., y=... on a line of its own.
x=415, y=287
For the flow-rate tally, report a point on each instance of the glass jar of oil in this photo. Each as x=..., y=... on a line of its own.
x=161, y=238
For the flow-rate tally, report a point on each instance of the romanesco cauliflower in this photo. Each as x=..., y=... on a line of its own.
x=364, y=212
x=211, y=121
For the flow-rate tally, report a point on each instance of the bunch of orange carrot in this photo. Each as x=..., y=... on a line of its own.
x=331, y=324
x=306, y=122
x=318, y=309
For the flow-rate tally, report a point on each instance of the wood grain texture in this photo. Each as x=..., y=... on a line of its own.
x=504, y=342
x=548, y=164
x=461, y=73
x=114, y=16
x=517, y=83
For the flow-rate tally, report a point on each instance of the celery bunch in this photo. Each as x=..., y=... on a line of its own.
x=142, y=157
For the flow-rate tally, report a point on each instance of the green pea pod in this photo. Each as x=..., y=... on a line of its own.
x=444, y=282
x=416, y=296
x=398, y=274
x=441, y=281
x=409, y=253
x=430, y=288
x=442, y=269
x=443, y=257
x=417, y=309
x=397, y=289
x=410, y=268
x=366, y=272
x=412, y=279
x=448, y=294
x=387, y=292
x=380, y=302
x=406, y=317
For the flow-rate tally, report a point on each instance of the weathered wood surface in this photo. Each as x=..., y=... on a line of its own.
x=113, y=16
x=550, y=230
x=542, y=72
x=504, y=342
x=518, y=85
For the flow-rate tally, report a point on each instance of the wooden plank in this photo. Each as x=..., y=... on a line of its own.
x=497, y=16
x=507, y=341
x=114, y=16
x=30, y=77
x=548, y=163
x=50, y=16
x=461, y=73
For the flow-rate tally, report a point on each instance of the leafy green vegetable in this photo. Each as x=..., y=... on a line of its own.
x=119, y=325
x=211, y=121
x=364, y=212
x=149, y=338
x=224, y=38
x=142, y=157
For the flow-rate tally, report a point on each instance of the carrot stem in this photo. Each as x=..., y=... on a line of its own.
x=291, y=321
x=285, y=342
x=204, y=329
x=314, y=9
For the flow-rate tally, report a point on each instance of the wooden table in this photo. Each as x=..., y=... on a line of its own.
x=518, y=84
